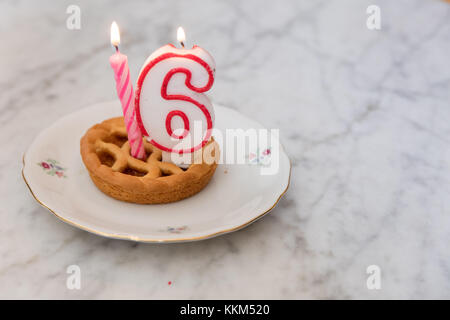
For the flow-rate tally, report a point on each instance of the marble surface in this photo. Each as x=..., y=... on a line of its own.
x=364, y=116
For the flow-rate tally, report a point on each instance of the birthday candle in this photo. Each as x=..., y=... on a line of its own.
x=170, y=98
x=119, y=63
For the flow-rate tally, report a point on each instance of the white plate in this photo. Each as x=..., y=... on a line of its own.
x=236, y=196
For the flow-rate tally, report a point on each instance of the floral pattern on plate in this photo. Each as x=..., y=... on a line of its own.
x=260, y=158
x=53, y=168
x=176, y=229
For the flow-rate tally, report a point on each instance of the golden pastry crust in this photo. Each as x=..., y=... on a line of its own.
x=106, y=154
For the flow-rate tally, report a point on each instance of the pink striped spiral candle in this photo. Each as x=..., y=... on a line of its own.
x=119, y=63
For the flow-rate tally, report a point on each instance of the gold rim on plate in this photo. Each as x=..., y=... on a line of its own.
x=148, y=240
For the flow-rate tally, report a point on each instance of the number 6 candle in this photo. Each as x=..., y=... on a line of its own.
x=170, y=99
x=119, y=63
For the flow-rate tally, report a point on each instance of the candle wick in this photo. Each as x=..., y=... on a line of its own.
x=182, y=43
x=117, y=48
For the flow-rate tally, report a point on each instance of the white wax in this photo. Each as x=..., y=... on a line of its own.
x=154, y=109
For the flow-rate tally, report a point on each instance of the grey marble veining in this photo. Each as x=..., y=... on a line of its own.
x=364, y=116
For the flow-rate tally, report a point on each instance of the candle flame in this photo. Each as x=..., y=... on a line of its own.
x=115, y=35
x=181, y=36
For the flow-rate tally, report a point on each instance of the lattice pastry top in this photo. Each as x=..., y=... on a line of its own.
x=106, y=154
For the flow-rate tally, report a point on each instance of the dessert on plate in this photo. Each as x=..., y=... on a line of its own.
x=105, y=151
x=162, y=149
